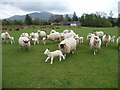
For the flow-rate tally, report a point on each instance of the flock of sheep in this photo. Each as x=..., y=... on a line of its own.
x=68, y=41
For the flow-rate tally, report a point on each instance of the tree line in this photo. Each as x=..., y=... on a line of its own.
x=98, y=19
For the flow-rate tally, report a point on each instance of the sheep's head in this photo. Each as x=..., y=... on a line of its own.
x=62, y=46
x=46, y=51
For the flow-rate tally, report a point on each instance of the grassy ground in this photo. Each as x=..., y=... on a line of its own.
x=80, y=70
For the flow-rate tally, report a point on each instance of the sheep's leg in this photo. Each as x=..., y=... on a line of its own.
x=37, y=42
x=94, y=51
x=51, y=60
x=47, y=59
x=63, y=57
x=59, y=58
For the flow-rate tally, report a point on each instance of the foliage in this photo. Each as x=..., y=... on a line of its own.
x=28, y=20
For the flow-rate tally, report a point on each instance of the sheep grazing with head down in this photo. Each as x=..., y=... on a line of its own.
x=95, y=43
x=118, y=42
x=24, y=43
x=68, y=45
x=41, y=33
x=53, y=54
x=106, y=39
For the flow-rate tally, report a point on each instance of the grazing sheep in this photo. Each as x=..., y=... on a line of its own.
x=53, y=54
x=118, y=42
x=34, y=35
x=106, y=39
x=113, y=39
x=68, y=45
x=95, y=43
x=24, y=42
x=53, y=36
x=5, y=37
x=34, y=41
x=41, y=33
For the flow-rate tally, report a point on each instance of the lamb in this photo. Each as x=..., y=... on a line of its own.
x=34, y=35
x=106, y=39
x=89, y=37
x=24, y=42
x=112, y=39
x=44, y=40
x=5, y=37
x=53, y=54
x=34, y=41
x=81, y=38
x=118, y=42
x=11, y=40
x=95, y=43
x=68, y=45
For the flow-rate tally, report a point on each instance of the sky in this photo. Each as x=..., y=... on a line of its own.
x=9, y=8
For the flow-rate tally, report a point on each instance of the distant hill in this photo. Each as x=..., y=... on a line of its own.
x=42, y=15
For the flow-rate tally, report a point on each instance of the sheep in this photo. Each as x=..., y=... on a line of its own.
x=24, y=43
x=106, y=39
x=81, y=38
x=68, y=45
x=62, y=36
x=34, y=35
x=53, y=36
x=52, y=31
x=99, y=33
x=24, y=35
x=7, y=38
x=89, y=37
x=53, y=54
x=44, y=40
x=11, y=39
x=112, y=39
x=118, y=42
x=95, y=43
x=41, y=33
x=34, y=41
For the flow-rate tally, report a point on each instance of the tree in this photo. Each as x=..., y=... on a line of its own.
x=28, y=20
x=36, y=21
x=75, y=18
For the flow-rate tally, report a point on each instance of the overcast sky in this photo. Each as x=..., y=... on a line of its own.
x=20, y=7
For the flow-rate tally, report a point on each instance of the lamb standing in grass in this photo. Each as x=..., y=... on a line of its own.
x=106, y=39
x=53, y=54
x=118, y=42
x=113, y=39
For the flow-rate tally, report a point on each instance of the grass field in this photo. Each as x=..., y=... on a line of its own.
x=23, y=69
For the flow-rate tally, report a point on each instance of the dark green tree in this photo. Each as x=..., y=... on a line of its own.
x=74, y=18
x=28, y=20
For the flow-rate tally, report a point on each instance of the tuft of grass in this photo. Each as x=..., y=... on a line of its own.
x=82, y=69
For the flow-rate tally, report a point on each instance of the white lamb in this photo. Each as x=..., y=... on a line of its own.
x=11, y=40
x=68, y=45
x=24, y=42
x=118, y=42
x=44, y=40
x=113, y=39
x=106, y=39
x=99, y=33
x=53, y=54
x=5, y=37
x=95, y=43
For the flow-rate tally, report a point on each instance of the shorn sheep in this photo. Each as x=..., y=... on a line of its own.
x=95, y=43
x=24, y=43
x=53, y=54
x=118, y=42
x=106, y=39
x=68, y=45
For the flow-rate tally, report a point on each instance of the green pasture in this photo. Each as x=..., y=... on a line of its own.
x=21, y=69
